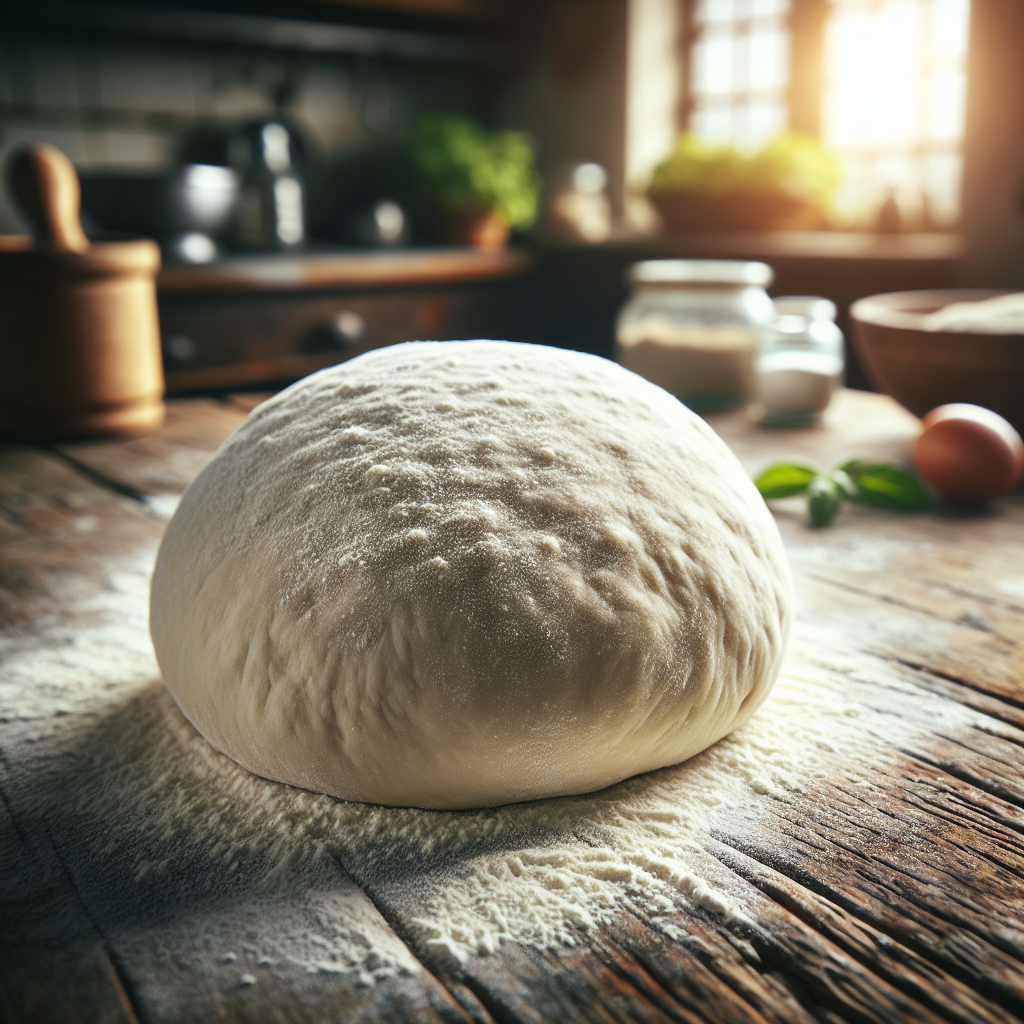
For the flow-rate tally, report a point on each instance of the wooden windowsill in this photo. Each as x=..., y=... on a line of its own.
x=856, y=245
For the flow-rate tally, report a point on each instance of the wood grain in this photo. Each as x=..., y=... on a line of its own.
x=80, y=938
x=55, y=965
x=886, y=888
x=161, y=464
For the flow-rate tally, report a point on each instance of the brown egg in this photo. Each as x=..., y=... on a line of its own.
x=969, y=453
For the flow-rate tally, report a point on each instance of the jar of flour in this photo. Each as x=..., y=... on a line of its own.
x=693, y=327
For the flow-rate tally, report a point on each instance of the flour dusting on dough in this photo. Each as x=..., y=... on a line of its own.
x=461, y=574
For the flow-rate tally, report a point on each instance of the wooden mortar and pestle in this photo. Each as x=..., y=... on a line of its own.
x=79, y=335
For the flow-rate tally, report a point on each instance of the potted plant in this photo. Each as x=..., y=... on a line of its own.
x=704, y=185
x=465, y=185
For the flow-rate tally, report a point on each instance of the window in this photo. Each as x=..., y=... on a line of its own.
x=892, y=84
x=739, y=71
x=894, y=106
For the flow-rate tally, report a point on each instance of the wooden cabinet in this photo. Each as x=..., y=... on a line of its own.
x=273, y=320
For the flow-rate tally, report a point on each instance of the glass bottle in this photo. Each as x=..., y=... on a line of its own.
x=693, y=327
x=270, y=213
x=799, y=362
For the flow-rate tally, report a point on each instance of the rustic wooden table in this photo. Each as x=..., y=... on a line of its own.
x=877, y=880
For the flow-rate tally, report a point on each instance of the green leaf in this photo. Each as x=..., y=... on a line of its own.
x=886, y=486
x=450, y=162
x=792, y=164
x=823, y=500
x=845, y=483
x=784, y=479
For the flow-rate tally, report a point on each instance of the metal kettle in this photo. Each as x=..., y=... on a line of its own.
x=270, y=212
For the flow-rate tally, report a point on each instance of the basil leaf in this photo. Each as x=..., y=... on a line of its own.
x=843, y=481
x=823, y=500
x=885, y=486
x=784, y=479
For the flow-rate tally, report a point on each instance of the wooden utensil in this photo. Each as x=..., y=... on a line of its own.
x=79, y=335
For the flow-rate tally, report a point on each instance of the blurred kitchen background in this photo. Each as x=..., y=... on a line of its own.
x=856, y=146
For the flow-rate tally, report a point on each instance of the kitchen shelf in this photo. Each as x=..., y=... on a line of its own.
x=277, y=33
x=344, y=270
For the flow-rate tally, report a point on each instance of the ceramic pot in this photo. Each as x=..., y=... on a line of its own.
x=472, y=226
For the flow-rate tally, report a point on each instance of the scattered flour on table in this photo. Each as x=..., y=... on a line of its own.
x=114, y=767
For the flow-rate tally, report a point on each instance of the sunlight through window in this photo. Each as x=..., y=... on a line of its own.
x=894, y=107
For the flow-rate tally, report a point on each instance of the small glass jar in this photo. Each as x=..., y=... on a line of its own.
x=693, y=327
x=813, y=306
x=799, y=363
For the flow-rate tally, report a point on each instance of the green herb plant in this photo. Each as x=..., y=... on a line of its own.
x=792, y=164
x=868, y=483
x=453, y=163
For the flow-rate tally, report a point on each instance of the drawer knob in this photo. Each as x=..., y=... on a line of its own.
x=349, y=325
x=180, y=349
x=336, y=334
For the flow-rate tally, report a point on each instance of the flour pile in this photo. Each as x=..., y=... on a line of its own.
x=163, y=818
x=1002, y=314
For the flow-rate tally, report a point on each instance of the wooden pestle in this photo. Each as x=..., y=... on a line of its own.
x=46, y=187
x=79, y=335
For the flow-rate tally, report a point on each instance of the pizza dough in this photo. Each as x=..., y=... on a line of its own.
x=458, y=574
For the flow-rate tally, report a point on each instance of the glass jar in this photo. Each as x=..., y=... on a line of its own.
x=799, y=363
x=813, y=306
x=693, y=327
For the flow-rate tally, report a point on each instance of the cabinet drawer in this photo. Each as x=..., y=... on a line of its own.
x=234, y=340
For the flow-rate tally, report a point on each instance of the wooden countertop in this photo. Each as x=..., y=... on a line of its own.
x=337, y=270
x=883, y=886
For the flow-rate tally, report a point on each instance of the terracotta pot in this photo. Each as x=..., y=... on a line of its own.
x=924, y=369
x=79, y=335
x=739, y=211
x=472, y=226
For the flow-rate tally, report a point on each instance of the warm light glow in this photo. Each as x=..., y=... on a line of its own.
x=894, y=106
x=653, y=86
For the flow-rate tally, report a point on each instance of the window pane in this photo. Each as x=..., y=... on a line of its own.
x=761, y=123
x=761, y=8
x=739, y=71
x=895, y=91
x=713, y=64
x=946, y=106
x=768, y=56
x=715, y=11
x=949, y=29
x=942, y=175
x=714, y=124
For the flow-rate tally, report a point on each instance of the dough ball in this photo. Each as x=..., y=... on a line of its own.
x=457, y=574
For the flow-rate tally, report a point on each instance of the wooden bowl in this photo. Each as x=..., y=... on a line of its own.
x=923, y=369
x=739, y=211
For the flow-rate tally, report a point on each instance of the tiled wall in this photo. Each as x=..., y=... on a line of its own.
x=112, y=103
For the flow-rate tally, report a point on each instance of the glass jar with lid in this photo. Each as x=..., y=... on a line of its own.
x=693, y=327
x=799, y=362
